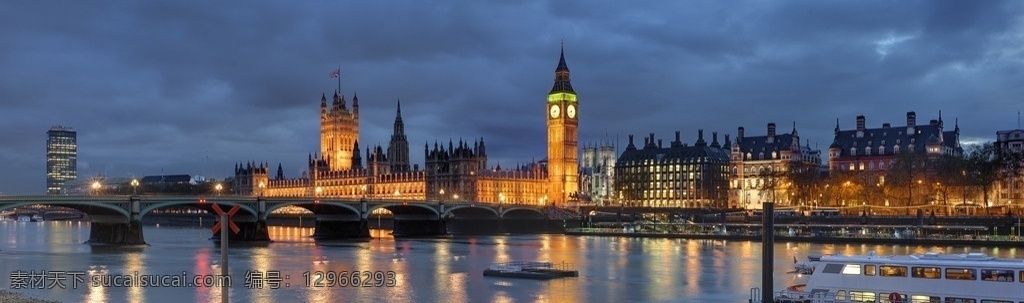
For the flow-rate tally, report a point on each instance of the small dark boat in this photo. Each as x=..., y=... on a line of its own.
x=531, y=270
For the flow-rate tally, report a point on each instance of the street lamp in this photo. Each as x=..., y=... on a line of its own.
x=319, y=191
x=218, y=188
x=135, y=186
x=96, y=187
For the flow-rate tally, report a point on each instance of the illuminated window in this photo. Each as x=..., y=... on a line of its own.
x=960, y=274
x=851, y=269
x=869, y=270
x=926, y=272
x=841, y=295
x=862, y=296
x=892, y=271
x=925, y=299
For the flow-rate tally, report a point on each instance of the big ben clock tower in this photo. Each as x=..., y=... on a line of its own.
x=562, y=111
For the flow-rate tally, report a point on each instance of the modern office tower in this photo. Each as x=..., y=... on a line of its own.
x=61, y=159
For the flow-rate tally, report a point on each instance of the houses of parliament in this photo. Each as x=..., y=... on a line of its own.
x=456, y=172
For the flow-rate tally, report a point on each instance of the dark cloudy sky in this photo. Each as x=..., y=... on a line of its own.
x=179, y=86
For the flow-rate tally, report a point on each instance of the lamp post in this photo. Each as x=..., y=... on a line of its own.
x=135, y=186
x=96, y=187
x=217, y=188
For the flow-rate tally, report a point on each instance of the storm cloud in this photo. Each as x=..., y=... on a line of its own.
x=192, y=87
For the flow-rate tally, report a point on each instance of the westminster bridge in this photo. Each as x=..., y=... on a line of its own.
x=117, y=219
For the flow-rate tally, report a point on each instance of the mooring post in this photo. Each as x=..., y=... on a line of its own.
x=767, y=252
x=224, y=257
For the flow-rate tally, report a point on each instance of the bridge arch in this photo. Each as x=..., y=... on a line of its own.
x=93, y=209
x=310, y=205
x=193, y=203
x=397, y=207
x=539, y=212
x=493, y=210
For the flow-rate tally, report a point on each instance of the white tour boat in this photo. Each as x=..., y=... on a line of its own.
x=920, y=278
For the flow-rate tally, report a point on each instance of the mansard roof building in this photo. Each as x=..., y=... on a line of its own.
x=875, y=149
x=678, y=175
x=758, y=166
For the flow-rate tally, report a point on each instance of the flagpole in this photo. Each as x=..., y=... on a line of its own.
x=339, y=78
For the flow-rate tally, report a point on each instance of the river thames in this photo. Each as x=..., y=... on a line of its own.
x=447, y=269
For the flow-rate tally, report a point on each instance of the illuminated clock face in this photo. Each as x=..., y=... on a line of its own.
x=554, y=111
x=571, y=111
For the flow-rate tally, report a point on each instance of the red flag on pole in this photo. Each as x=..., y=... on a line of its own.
x=336, y=73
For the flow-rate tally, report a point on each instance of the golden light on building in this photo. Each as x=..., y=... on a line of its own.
x=458, y=170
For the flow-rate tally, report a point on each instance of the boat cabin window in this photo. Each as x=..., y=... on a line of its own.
x=841, y=295
x=959, y=300
x=995, y=301
x=832, y=268
x=925, y=299
x=851, y=269
x=869, y=270
x=926, y=272
x=892, y=271
x=1000, y=275
x=862, y=296
x=1021, y=277
x=960, y=274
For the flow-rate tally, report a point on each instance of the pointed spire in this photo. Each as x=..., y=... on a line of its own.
x=337, y=100
x=399, y=108
x=562, y=84
x=355, y=103
x=561, y=60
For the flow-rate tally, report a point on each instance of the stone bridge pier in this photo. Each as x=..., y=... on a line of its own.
x=115, y=228
x=250, y=228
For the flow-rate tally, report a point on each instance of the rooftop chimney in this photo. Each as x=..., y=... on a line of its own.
x=739, y=135
x=911, y=122
x=771, y=129
x=860, y=123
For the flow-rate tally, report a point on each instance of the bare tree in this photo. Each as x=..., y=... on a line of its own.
x=987, y=164
x=906, y=176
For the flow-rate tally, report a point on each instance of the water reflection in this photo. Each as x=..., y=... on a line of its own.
x=445, y=269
